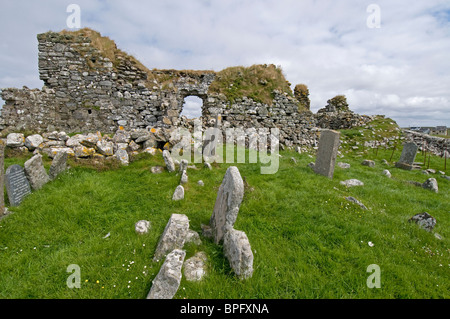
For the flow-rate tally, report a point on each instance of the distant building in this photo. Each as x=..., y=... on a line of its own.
x=439, y=130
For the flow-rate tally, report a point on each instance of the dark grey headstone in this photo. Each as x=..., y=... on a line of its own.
x=327, y=153
x=17, y=185
x=408, y=156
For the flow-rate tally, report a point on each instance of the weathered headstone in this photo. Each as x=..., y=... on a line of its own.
x=167, y=281
x=237, y=249
x=35, y=172
x=17, y=185
x=407, y=157
x=228, y=201
x=169, y=161
x=327, y=153
x=59, y=164
x=178, y=194
x=212, y=137
x=174, y=235
x=431, y=184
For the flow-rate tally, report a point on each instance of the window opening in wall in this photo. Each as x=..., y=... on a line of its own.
x=192, y=107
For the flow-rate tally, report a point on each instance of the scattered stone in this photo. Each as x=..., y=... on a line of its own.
x=293, y=160
x=343, y=165
x=431, y=184
x=174, y=235
x=311, y=165
x=431, y=171
x=385, y=162
x=33, y=141
x=167, y=281
x=142, y=227
x=122, y=156
x=424, y=220
x=183, y=165
x=238, y=252
x=75, y=140
x=156, y=169
x=35, y=172
x=387, y=173
x=17, y=185
x=369, y=163
x=195, y=267
x=83, y=151
x=228, y=201
x=178, y=194
x=446, y=177
x=151, y=150
x=15, y=140
x=169, y=161
x=354, y=200
x=105, y=147
x=352, y=182
x=59, y=164
x=200, y=182
x=327, y=153
x=425, y=172
x=208, y=165
x=193, y=237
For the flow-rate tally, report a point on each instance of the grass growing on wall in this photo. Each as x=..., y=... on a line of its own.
x=307, y=240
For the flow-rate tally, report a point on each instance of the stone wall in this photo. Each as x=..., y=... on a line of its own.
x=85, y=91
x=433, y=144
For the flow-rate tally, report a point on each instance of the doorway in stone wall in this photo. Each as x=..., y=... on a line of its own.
x=192, y=107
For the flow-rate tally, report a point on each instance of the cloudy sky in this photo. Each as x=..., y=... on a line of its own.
x=400, y=68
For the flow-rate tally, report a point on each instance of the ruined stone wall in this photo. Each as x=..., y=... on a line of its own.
x=84, y=91
x=439, y=146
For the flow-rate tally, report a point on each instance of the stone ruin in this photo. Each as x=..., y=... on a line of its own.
x=90, y=86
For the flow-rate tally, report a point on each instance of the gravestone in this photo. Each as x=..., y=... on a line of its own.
x=170, y=165
x=35, y=172
x=228, y=201
x=210, y=144
x=17, y=185
x=168, y=279
x=327, y=153
x=174, y=235
x=59, y=164
x=407, y=157
x=237, y=249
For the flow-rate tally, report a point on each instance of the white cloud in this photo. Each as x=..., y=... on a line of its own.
x=401, y=69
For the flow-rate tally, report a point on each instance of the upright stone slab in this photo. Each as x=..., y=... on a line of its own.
x=237, y=249
x=174, y=235
x=59, y=164
x=17, y=185
x=167, y=281
x=2, y=177
x=408, y=156
x=228, y=201
x=327, y=153
x=169, y=161
x=35, y=172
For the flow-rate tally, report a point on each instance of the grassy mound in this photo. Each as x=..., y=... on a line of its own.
x=256, y=82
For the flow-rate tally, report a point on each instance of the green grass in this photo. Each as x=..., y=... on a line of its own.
x=307, y=240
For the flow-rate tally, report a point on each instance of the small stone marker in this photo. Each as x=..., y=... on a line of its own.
x=424, y=220
x=35, y=172
x=169, y=161
x=174, y=235
x=237, y=249
x=17, y=185
x=142, y=227
x=406, y=160
x=327, y=153
x=431, y=184
x=228, y=201
x=178, y=194
x=59, y=164
x=167, y=281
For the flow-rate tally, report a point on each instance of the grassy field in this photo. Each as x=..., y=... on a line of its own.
x=307, y=240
